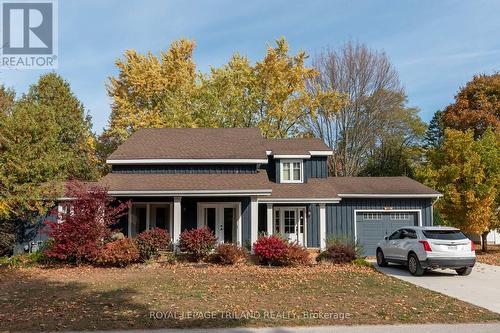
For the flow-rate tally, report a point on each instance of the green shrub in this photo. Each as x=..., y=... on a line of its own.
x=362, y=262
x=25, y=260
x=119, y=253
x=229, y=254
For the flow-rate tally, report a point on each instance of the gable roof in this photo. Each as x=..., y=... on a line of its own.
x=192, y=143
x=171, y=145
x=296, y=146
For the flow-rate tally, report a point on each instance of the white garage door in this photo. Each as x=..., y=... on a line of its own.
x=371, y=227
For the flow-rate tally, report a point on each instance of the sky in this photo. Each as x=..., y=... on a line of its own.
x=436, y=46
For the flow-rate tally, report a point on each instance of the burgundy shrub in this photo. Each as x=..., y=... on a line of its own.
x=150, y=242
x=270, y=249
x=84, y=227
x=197, y=242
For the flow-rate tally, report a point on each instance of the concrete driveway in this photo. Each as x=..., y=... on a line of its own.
x=481, y=287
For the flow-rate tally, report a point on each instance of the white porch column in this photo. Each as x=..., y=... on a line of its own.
x=177, y=219
x=254, y=219
x=322, y=226
x=269, y=219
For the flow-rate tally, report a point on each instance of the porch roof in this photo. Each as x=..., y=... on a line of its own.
x=210, y=184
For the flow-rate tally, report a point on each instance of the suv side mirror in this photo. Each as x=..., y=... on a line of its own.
x=385, y=237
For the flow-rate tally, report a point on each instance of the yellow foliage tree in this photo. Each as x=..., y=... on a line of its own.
x=467, y=172
x=168, y=92
x=152, y=91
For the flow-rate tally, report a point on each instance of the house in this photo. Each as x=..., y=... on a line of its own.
x=240, y=185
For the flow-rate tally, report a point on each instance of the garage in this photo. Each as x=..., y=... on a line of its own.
x=372, y=226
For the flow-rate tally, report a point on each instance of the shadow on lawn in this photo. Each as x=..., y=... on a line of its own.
x=29, y=303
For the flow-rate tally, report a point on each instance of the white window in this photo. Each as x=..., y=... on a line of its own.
x=372, y=216
x=400, y=216
x=292, y=171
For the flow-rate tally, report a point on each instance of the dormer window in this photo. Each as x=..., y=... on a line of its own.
x=292, y=171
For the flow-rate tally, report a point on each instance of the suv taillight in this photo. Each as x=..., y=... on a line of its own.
x=426, y=245
x=472, y=246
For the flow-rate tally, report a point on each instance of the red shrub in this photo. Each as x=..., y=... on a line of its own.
x=229, y=254
x=197, y=242
x=119, y=253
x=270, y=249
x=294, y=255
x=86, y=223
x=150, y=242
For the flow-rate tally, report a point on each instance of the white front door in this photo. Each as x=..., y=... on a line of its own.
x=290, y=223
x=221, y=218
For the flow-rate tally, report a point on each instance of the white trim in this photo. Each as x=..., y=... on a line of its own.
x=218, y=205
x=321, y=152
x=189, y=161
x=191, y=193
x=419, y=211
x=269, y=152
x=299, y=200
x=254, y=220
x=176, y=232
x=291, y=162
x=409, y=195
x=281, y=210
x=292, y=156
x=270, y=219
x=322, y=226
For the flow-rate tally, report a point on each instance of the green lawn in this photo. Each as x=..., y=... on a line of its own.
x=210, y=296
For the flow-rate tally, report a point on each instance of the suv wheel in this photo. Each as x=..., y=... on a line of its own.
x=381, y=262
x=414, y=265
x=464, y=271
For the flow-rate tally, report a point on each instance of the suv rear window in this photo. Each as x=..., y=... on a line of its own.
x=444, y=234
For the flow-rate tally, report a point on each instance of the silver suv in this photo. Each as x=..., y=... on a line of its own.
x=423, y=248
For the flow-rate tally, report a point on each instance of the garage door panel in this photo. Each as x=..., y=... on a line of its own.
x=371, y=227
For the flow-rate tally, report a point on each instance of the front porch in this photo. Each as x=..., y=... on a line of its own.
x=237, y=220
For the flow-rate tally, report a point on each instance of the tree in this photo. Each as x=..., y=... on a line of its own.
x=434, y=135
x=167, y=92
x=399, y=146
x=283, y=101
x=476, y=106
x=75, y=127
x=152, y=91
x=88, y=220
x=32, y=160
x=467, y=172
x=375, y=101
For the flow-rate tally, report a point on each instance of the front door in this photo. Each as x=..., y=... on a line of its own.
x=221, y=219
x=290, y=223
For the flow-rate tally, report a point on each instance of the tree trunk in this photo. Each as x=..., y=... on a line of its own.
x=484, y=241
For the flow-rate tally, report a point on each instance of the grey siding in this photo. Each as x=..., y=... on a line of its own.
x=313, y=226
x=170, y=169
x=340, y=217
x=316, y=167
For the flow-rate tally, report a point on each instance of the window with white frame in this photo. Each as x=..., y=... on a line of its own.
x=292, y=171
x=400, y=216
x=372, y=216
x=150, y=215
